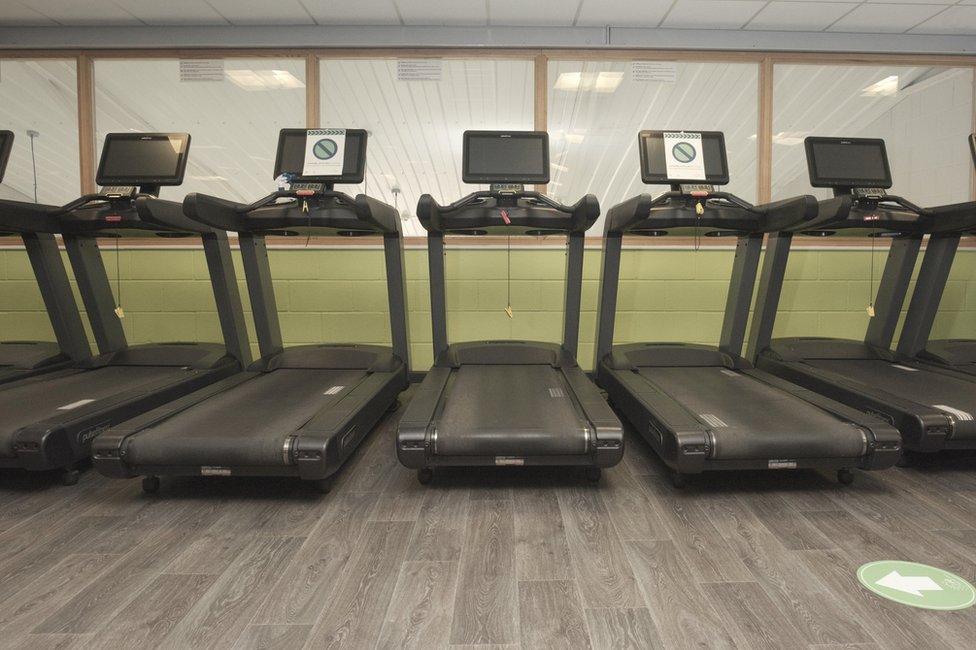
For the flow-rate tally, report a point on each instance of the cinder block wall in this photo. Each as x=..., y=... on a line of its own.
x=340, y=295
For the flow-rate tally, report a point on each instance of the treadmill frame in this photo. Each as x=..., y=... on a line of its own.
x=417, y=430
x=62, y=440
x=319, y=448
x=923, y=428
x=679, y=438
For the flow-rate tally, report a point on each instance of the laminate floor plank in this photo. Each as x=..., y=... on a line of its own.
x=218, y=618
x=604, y=576
x=273, y=637
x=51, y=590
x=551, y=615
x=355, y=613
x=422, y=606
x=541, y=549
x=681, y=611
x=622, y=629
x=804, y=599
x=305, y=587
x=755, y=615
x=153, y=613
x=114, y=588
x=707, y=554
x=485, y=604
x=439, y=530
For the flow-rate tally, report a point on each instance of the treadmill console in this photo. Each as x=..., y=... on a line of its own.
x=317, y=159
x=847, y=163
x=6, y=145
x=506, y=160
x=146, y=160
x=684, y=159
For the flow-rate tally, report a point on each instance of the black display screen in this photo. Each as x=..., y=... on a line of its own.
x=6, y=144
x=506, y=157
x=848, y=162
x=143, y=159
x=654, y=169
x=291, y=157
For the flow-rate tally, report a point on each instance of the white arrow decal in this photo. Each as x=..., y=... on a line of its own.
x=914, y=585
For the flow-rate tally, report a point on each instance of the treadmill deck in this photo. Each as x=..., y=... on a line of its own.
x=34, y=401
x=956, y=397
x=246, y=425
x=510, y=410
x=750, y=419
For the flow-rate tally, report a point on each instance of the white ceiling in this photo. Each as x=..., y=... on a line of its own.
x=954, y=17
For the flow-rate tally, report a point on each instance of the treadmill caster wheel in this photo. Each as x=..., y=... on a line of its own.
x=845, y=476
x=593, y=474
x=70, y=477
x=678, y=479
x=150, y=484
x=425, y=475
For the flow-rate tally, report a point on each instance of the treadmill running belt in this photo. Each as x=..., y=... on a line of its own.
x=22, y=405
x=516, y=410
x=750, y=419
x=948, y=394
x=246, y=425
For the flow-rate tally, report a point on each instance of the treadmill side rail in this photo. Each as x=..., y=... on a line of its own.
x=607, y=443
x=415, y=435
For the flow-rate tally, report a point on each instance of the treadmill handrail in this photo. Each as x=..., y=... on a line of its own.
x=642, y=209
x=835, y=214
x=953, y=217
x=233, y=216
x=26, y=217
x=531, y=209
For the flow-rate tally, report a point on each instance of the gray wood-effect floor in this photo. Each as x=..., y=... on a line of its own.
x=518, y=558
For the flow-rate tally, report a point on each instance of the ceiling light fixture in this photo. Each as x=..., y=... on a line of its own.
x=264, y=79
x=598, y=82
x=884, y=88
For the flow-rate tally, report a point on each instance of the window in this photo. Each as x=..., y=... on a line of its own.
x=415, y=111
x=924, y=114
x=232, y=108
x=596, y=109
x=40, y=96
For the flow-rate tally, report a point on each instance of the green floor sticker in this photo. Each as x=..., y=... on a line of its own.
x=918, y=585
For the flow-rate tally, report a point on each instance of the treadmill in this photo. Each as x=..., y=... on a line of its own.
x=49, y=421
x=705, y=408
x=507, y=402
x=21, y=359
x=932, y=409
x=298, y=411
x=952, y=355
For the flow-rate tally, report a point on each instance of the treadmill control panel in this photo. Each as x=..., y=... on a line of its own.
x=869, y=193
x=507, y=188
x=308, y=188
x=119, y=191
x=696, y=189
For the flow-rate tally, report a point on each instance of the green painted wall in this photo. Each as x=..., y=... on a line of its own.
x=340, y=295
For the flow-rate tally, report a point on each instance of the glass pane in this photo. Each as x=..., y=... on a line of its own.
x=233, y=122
x=596, y=109
x=415, y=125
x=924, y=114
x=41, y=96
